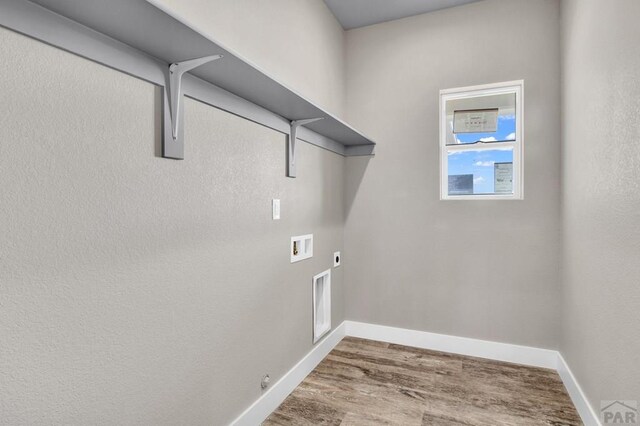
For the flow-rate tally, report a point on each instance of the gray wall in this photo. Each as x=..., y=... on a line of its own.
x=139, y=290
x=482, y=269
x=601, y=197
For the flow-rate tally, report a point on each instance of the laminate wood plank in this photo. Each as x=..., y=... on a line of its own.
x=364, y=382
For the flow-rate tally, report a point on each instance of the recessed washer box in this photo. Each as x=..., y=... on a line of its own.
x=301, y=247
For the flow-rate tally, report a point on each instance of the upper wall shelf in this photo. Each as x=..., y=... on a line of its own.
x=142, y=39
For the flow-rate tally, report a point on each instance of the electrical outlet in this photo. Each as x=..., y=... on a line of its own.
x=336, y=259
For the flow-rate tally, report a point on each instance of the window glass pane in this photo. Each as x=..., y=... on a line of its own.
x=480, y=171
x=472, y=120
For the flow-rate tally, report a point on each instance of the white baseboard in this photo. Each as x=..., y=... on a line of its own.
x=586, y=411
x=458, y=345
x=525, y=355
x=271, y=399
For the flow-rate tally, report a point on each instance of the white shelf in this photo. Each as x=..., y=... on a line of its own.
x=141, y=39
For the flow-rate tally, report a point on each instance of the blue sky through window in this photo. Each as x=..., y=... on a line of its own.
x=480, y=162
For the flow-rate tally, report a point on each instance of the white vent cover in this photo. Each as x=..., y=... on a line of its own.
x=321, y=304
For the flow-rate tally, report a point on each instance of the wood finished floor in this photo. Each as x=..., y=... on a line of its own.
x=363, y=382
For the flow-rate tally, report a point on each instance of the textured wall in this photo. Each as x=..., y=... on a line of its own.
x=139, y=290
x=601, y=197
x=483, y=269
x=299, y=42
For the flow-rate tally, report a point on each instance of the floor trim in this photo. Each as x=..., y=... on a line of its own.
x=271, y=399
x=579, y=399
x=525, y=355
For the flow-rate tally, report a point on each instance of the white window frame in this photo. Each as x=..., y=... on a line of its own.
x=516, y=87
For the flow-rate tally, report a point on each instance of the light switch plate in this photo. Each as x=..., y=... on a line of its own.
x=275, y=207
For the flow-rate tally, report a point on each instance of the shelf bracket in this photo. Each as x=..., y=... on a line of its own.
x=173, y=143
x=291, y=144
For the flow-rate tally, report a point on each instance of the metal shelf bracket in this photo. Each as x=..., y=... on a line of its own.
x=173, y=141
x=291, y=144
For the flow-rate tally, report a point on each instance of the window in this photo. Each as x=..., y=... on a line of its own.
x=481, y=142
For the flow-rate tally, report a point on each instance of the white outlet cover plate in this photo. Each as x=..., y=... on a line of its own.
x=275, y=209
x=337, y=259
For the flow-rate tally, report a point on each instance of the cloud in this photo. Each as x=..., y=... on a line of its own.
x=479, y=179
x=484, y=163
x=511, y=137
x=489, y=139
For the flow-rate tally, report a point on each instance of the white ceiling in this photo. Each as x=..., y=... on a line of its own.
x=360, y=13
